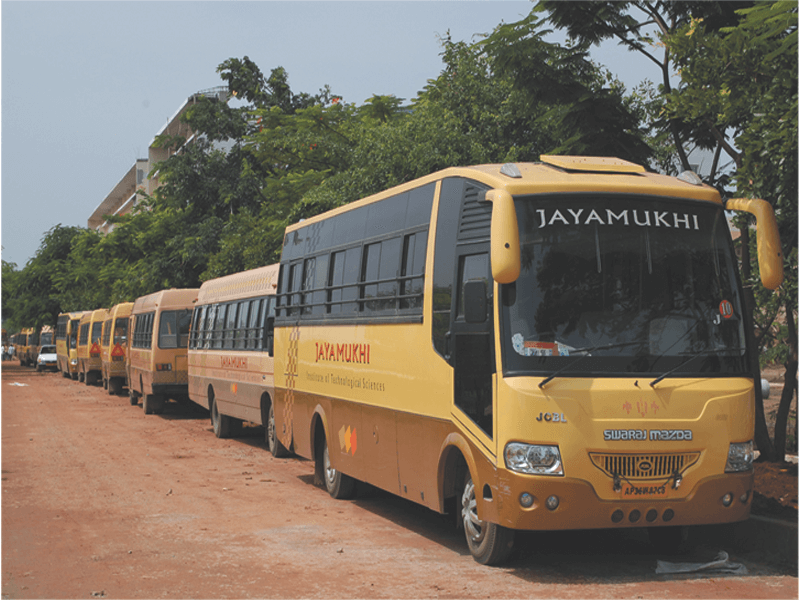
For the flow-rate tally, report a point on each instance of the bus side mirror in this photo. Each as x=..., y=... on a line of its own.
x=475, y=301
x=505, y=255
x=770, y=257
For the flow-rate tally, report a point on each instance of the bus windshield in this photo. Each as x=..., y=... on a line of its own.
x=173, y=331
x=614, y=286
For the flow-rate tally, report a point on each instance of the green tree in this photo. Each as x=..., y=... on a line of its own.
x=739, y=86
x=31, y=296
x=641, y=26
x=581, y=107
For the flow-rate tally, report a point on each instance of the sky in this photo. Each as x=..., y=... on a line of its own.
x=86, y=86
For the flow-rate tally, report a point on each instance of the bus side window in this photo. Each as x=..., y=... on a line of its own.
x=253, y=325
x=269, y=326
x=209, y=325
x=184, y=318
x=230, y=326
x=241, y=325
x=219, y=326
x=196, y=316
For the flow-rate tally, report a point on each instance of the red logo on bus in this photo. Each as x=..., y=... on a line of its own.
x=118, y=351
x=726, y=309
x=94, y=350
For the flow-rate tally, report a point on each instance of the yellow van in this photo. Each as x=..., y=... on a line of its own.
x=157, y=356
x=27, y=346
x=67, y=326
x=91, y=330
x=113, y=347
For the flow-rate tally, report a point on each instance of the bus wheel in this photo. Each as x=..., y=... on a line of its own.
x=81, y=376
x=220, y=423
x=133, y=397
x=278, y=450
x=489, y=543
x=105, y=383
x=668, y=540
x=339, y=485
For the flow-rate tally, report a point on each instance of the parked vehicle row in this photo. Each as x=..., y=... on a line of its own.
x=545, y=346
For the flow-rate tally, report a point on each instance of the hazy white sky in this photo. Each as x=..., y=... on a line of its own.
x=87, y=85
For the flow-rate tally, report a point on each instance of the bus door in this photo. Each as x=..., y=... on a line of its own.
x=472, y=345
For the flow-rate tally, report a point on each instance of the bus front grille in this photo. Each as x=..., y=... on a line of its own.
x=643, y=466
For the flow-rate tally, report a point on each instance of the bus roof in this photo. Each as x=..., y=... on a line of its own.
x=171, y=298
x=248, y=284
x=555, y=174
x=123, y=309
x=72, y=315
x=90, y=316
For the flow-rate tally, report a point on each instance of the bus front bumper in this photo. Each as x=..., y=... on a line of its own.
x=559, y=503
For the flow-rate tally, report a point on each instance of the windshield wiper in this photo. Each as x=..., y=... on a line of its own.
x=588, y=352
x=671, y=371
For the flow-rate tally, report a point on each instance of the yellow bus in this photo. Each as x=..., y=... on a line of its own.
x=231, y=351
x=91, y=332
x=67, y=327
x=540, y=346
x=158, y=338
x=113, y=346
x=47, y=336
x=26, y=346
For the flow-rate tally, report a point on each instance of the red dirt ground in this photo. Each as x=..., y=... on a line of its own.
x=101, y=501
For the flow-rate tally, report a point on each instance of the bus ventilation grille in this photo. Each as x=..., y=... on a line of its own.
x=476, y=217
x=643, y=466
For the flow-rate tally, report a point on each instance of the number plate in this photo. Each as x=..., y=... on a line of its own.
x=644, y=491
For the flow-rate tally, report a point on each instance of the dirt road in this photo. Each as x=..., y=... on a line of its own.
x=101, y=501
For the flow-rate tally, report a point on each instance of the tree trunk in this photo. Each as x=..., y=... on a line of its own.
x=789, y=387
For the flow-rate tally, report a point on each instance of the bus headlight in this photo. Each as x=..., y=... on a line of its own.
x=740, y=457
x=533, y=459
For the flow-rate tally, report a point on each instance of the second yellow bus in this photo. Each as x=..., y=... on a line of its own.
x=231, y=352
x=159, y=336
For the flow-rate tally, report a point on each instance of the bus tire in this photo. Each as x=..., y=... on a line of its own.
x=81, y=377
x=277, y=449
x=489, y=543
x=339, y=485
x=223, y=425
x=133, y=397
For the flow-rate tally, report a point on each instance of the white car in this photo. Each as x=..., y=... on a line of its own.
x=47, y=359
